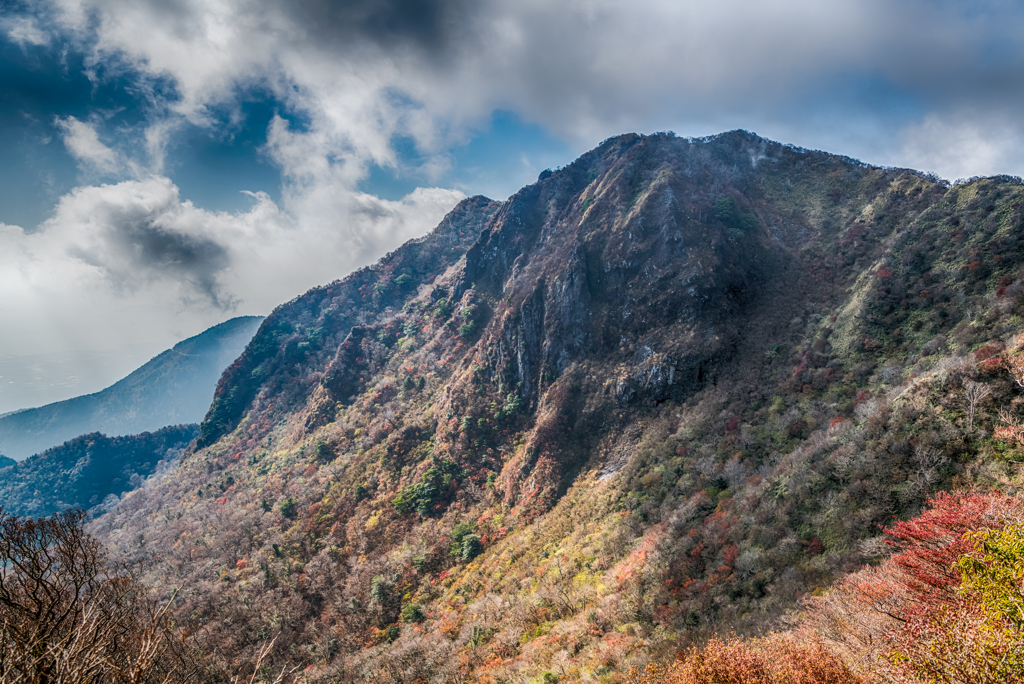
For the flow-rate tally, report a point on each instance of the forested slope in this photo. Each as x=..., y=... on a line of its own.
x=90, y=471
x=665, y=392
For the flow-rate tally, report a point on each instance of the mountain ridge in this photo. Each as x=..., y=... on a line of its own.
x=662, y=393
x=171, y=388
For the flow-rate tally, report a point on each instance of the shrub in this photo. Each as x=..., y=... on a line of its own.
x=471, y=547
x=413, y=612
x=442, y=309
x=513, y=404
x=387, y=635
x=459, y=533
x=380, y=590
x=738, y=222
x=324, y=452
x=434, y=487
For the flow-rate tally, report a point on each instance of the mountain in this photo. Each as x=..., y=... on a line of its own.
x=665, y=392
x=89, y=472
x=174, y=387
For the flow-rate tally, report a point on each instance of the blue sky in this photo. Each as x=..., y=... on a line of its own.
x=168, y=164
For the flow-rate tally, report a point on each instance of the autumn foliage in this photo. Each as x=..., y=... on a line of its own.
x=945, y=607
x=776, y=659
x=666, y=424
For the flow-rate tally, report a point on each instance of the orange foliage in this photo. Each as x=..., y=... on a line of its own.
x=776, y=659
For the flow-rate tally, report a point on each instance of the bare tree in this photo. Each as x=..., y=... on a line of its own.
x=974, y=392
x=261, y=656
x=1013, y=431
x=1013, y=359
x=69, y=616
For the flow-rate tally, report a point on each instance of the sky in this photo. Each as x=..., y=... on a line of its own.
x=168, y=164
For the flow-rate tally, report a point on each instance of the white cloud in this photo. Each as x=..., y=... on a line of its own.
x=363, y=71
x=133, y=262
x=83, y=143
x=24, y=31
x=963, y=144
x=881, y=81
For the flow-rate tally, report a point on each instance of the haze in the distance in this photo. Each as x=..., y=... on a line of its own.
x=168, y=165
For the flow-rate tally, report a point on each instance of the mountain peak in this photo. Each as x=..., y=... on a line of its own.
x=673, y=386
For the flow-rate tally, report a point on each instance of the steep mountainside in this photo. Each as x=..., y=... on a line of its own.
x=90, y=471
x=663, y=392
x=174, y=387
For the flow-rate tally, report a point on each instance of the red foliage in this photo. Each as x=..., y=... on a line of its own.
x=861, y=397
x=730, y=554
x=909, y=615
x=989, y=351
x=932, y=542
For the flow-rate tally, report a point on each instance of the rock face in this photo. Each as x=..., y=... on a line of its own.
x=589, y=259
x=631, y=388
x=298, y=341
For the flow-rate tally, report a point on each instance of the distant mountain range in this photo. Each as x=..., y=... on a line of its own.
x=173, y=388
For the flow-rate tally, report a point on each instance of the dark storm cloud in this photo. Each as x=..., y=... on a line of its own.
x=147, y=252
x=430, y=26
x=139, y=233
x=195, y=259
